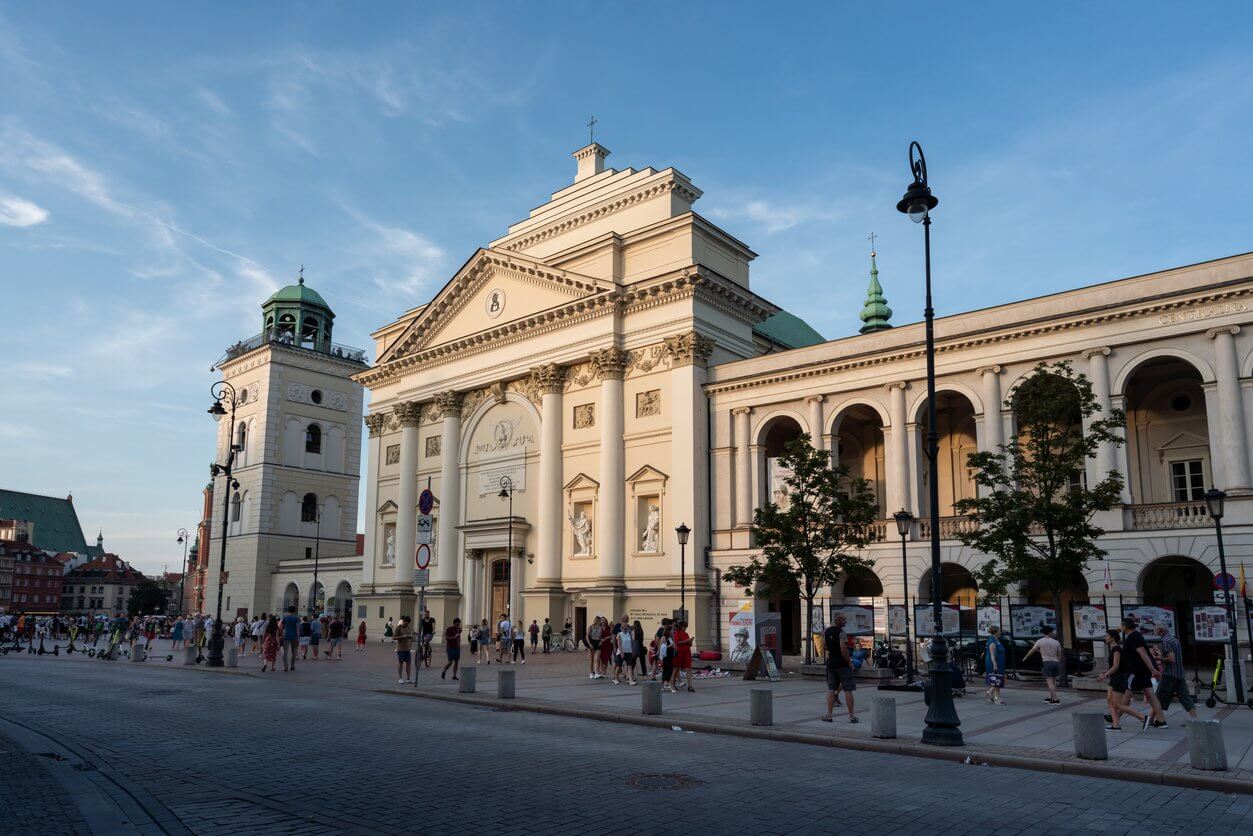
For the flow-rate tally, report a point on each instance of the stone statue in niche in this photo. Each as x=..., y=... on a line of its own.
x=651, y=530
x=389, y=552
x=582, y=533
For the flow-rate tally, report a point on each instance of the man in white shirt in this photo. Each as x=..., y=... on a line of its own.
x=1050, y=650
x=504, y=635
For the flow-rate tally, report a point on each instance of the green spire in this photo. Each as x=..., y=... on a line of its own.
x=876, y=313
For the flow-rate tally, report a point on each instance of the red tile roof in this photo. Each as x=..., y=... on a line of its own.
x=109, y=567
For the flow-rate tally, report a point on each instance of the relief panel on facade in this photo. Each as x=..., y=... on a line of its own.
x=648, y=403
x=584, y=416
x=393, y=454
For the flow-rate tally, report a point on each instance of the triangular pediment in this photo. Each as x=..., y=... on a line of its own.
x=1183, y=441
x=491, y=291
x=388, y=507
x=647, y=473
x=581, y=481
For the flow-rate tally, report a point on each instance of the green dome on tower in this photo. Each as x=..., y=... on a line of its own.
x=298, y=315
x=876, y=313
x=298, y=293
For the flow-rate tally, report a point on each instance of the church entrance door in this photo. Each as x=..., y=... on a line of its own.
x=500, y=589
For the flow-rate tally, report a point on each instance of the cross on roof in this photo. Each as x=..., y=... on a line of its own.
x=871, y=239
x=302, y=274
x=591, y=131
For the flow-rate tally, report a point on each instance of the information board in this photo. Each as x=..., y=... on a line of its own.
x=858, y=620
x=896, y=620
x=1026, y=621
x=986, y=618
x=1149, y=617
x=924, y=621
x=1210, y=624
x=1090, y=621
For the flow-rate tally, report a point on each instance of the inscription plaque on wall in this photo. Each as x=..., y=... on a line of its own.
x=489, y=477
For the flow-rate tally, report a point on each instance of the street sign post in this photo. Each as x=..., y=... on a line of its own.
x=1224, y=581
x=422, y=556
x=425, y=524
x=421, y=578
x=426, y=501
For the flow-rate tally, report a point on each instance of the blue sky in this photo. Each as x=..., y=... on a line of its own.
x=164, y=168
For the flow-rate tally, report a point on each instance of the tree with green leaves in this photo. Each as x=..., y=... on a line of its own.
x=1035, y=509
x=813, y=535
x=147, y=597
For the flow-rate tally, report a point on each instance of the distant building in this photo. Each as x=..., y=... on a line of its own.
x=49, y=522
x=101, y=584
x=36, y=578
x=6, y=580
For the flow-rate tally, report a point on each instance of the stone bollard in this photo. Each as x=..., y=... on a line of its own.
x=652, y=697
x=883, y=717
x=761, y=707
x=137, y=653
x=505, y=684
x=231, y=656
x=1205, y=745
x=189, y=655
x=467, y=681
x=1090, y=737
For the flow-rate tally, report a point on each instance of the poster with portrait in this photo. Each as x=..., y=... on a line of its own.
x=924, y=621
x=769, y=634
x=1090, y=621
x=1025, y=621
x=859, y=620
x=986, y=618
x=896, y=620
x=743, y=632
x=1210, y=624
x=1149, y=617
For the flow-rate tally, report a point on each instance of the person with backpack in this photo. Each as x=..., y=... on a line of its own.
x=533, y=631
x=546, y=635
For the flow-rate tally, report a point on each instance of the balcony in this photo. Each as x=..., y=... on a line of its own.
x=950, y=527
x=288, y=340
x=1168, y=515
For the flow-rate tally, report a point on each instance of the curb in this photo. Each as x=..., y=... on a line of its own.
x=1167, y=775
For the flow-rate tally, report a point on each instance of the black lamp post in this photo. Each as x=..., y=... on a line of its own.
x=219, y=390
x=683, y=533
x=905, y=521
x=317, y=548
x=1214, y=500
x=943, y=725
x=182, y=582
x=506, y=492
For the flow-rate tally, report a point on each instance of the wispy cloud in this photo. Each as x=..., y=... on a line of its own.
x=396, y=258
x=772, y=216
x=43, y=371
x=214, y=102
x=16, y=211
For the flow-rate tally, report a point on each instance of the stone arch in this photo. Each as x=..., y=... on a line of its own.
x=291, y=597
x=1246, y=365
x=957, y=418
x=859, y=442
x=1177, y=582
x=765, y=422
x=941, y=387
x=837, y=415
x=1128, y=369
x=861, y=583
x=472, y=422
x=1169, y=451
x=341, y=601
x=957, y=585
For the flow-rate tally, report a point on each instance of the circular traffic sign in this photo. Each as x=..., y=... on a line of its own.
x=426, y=501
x=1224, y=580
x=422, y=557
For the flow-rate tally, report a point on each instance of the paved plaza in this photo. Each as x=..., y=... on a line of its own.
x=160, y=748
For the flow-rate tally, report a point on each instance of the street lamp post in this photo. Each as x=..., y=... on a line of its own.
x=683, y=532
x=943, y=725
x=904, y=521
x=182, y=582
x=218, y=390
x=317, y=548
x=1214, y=500
x=506, y=492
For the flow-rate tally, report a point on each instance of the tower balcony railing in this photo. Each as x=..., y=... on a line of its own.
x=291, y=340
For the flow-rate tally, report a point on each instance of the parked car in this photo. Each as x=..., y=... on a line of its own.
x=971, y=653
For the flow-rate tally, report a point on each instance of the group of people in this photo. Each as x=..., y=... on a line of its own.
x=1132, y=670
x=621, y=645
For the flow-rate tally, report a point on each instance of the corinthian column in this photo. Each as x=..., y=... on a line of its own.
x=408, y=414
x=896, y=452
x=610, y=366
x=551, y=523
x=1233, y=431
x=688, y=495
x=1098, y=373
x=743, y=468
x=449, y=404
x=375, y=422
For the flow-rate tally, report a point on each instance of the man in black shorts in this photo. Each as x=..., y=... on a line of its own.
x=1136, y=657
x=839, y=668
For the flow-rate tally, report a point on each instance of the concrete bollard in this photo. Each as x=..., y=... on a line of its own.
x=760, y=707
x=1090, y=737
x=189, y=655
x=467, y=681
x=883, y=717
x=651, y=694
x=137, y=653
x=1205, y=745
x=505, y=684
x=231, y=656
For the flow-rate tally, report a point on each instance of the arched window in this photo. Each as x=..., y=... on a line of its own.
x=241, y=435
x=310, y=331
x=309, y=508
x=287, y=323
x=313, y=439
x=236, y=504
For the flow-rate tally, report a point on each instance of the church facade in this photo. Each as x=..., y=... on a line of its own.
x=604, y=373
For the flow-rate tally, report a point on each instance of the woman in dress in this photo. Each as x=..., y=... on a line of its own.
x=177, y=636
x=361, y=637
x=269, y=644
x=994, y=666
x=485, y=642
x=1117, y=695
x=665, y=655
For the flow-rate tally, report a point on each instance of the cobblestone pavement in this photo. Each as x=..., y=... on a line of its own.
x=240, y=754
x=32, y=800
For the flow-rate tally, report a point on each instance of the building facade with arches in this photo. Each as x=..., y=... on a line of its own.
x=606, y=371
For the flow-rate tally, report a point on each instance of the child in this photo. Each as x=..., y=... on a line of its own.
x=361, y=637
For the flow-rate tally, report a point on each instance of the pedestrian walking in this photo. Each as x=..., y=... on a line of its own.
x=291, y=638
x=1174, y=680
x=452, y=646
x=1141, y=670
x=335, y=639
x=641, y=654
x=593, y=644
x=504, y=637
x=361, y=637
x=241, y=636
x=665, y=654
x=1117, y=695
x=269, y=645
x=519, y=643
x=258, y=631
x=839, y=668
x=1050, y=650
x=994, y=666
x=402, y=637
x=626, y=651
x=306, y=635
x=546, y=634
x=315, y=636
x=485, y=643
x=176, y=637
x=683, y=655
x=533, y=630
x=388, y=630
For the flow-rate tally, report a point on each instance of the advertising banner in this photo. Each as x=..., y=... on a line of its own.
x=743, y=632
x=859, y=620
x=1210, y=624
x=1090, y=621
x=770, y=635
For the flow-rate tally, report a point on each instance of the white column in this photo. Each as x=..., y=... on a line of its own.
x=1098, y=373
x=551, y=520
x=814, y=402
x=1233, y=431
x=1120, y=454
x=896, y=452
x=449, y=404
x=374, y=424
x=610, y=540
x=517, y=571
x=743, y=468
x=469, y=600
x=688, y=491
x=991, y=408
x=408, y=414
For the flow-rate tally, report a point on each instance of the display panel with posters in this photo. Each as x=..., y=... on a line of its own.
x=743, y=632
x=1089, y=620
x=924, y=621
x=770, y=635
x=1149, y=617
x=985, y=618
x=859, y=620
x=1210, y=624
x=1025, y=621
x=896, y=620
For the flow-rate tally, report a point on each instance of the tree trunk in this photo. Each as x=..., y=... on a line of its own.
x=1063, y=680
x=809, y=626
